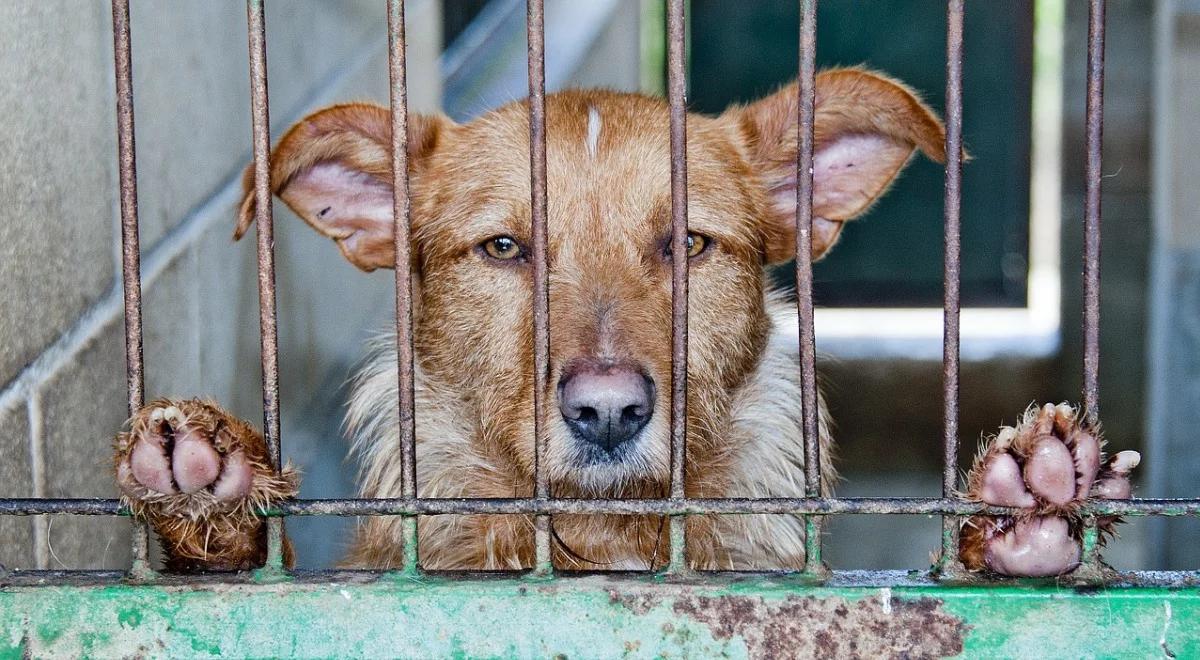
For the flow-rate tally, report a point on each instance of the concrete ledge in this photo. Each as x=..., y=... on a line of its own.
x=873, y=615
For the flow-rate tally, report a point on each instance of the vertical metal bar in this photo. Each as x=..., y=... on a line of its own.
x=398, y=90
x=536, y=29
x=131, y=269
x=1091, y=221
x=804, y=276
x=1091, y=569
x=677, y=99
x=952, y=262
x=269, y=339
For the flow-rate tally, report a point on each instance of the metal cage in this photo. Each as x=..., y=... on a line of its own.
x=407, y=611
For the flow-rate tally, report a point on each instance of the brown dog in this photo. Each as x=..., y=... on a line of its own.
x=197, y=473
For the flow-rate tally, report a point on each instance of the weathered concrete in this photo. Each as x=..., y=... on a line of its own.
x=79, y=406
x=597, y=617
x=57, y=229
x=15, y=481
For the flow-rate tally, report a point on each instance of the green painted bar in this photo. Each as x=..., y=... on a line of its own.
x=597, y=616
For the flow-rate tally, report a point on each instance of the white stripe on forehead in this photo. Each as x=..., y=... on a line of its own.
x=593, y=131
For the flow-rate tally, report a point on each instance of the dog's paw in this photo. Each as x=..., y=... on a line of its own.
x=1049, y=466
x=199, y=475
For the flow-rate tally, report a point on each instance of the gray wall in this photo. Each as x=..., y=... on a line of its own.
x=62, y=386
x=1173, y=383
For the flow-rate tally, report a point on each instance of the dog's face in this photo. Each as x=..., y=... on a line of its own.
x=609, y=260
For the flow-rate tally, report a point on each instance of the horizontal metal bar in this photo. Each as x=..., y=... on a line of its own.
x=527, y=506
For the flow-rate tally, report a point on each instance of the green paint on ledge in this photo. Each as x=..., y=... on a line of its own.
x=594, y=616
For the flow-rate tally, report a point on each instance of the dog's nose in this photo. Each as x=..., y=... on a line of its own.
x=606, y=405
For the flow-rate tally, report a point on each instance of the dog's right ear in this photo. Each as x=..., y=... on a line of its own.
x=334, y=169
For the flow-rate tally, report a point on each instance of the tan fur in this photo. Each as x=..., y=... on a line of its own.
x=610, y=300
x=768, y=461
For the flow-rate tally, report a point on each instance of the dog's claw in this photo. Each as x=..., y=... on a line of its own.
x=173, y=415
x=1125, y=461
x=1050, y=465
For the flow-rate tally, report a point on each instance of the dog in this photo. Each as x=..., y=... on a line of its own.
x=199, y=475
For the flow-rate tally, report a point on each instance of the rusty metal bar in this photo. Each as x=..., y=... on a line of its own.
x=398, y=91
x=795, y=506
x=804, y=276
x=130, y=247
x=1091, y=568
x=677, y=99
x=131, y=268
x=268, y=331
x=535, y=25
x=1091, y=221
x=949, y=564
x=817, y=506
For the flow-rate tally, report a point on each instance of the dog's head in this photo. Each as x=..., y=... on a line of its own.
x=609, y=258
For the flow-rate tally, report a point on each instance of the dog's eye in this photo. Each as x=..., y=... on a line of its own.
x=504, y=248
x=696, y=245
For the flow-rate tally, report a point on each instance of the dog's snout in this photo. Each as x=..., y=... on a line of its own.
x=605, y=405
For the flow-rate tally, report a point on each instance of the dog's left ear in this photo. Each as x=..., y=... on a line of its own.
x=867, y=128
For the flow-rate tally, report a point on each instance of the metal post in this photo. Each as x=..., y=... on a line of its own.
x=677, y=99
x=131, y=269
x=1091, y=569
x=398, y=90
x=949, y=565
x=536, y=28
x=804, y=280
x=269, y=338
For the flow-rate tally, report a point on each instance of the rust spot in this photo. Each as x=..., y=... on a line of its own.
x=830, y=627
x=637, y=603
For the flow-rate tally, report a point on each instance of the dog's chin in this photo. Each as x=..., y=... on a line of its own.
x=629, y=470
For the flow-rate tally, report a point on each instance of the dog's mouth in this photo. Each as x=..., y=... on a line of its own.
x=589, y=454
x=636, y=467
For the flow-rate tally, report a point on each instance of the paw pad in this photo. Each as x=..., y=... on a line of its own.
x=191, y=458
x=1049, y=465
x=200, y=476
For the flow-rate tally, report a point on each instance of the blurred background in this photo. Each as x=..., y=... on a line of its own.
x=62, y=389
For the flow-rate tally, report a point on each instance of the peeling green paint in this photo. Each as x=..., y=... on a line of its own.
x=594, y=616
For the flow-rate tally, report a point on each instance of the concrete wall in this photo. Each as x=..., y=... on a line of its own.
x=1173, y=383
x=62, y=376
x=62, y=390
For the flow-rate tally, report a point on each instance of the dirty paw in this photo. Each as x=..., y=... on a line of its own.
x=1050, y=465
x=199, y=475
